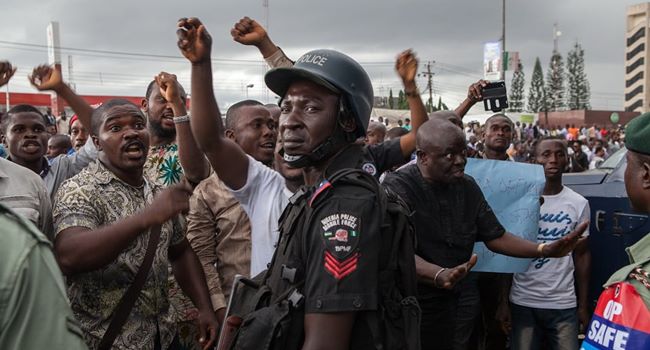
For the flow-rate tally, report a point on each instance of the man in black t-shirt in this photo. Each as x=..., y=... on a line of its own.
x=450, y=215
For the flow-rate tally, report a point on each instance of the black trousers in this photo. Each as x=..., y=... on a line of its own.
x=438, y=321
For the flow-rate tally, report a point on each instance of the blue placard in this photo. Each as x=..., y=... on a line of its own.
x=513, y=191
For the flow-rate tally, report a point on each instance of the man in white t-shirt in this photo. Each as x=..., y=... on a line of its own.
x=543, y=299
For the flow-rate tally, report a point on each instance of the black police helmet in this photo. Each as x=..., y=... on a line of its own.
x=334, y=71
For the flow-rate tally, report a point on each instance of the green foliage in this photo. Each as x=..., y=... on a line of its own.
x=516, y=98
x=537, y=91
x=579, y=92
x=555, y=92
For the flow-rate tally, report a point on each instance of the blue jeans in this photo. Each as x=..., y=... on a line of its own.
x=531, y=327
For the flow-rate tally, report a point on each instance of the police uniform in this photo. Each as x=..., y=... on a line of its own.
x=330, y=238
x=34, y=309
x=622, y=316
x=383, y=157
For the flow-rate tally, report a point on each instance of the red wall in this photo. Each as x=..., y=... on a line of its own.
x=43, y=100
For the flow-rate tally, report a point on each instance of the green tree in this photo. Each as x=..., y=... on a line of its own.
x=402, y=103
x=516, y=99
x=429, y=105
x=390, y=99
x=441, y=105
x=555, y=92
x=579, y=91
x=537, y=93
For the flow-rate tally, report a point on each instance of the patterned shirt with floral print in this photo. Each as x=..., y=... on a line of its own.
x=163, y=165
x=95, y=198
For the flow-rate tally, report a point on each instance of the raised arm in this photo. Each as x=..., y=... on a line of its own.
x=6, y=72
x=407, y=67
x=195, y=165
x=47, y=78
x=474, y=95
x=248, y=32
x=227, y=159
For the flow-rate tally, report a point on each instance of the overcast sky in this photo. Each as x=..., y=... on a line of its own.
x=451, y=33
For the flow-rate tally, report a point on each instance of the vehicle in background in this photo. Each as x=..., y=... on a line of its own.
x=614, y=225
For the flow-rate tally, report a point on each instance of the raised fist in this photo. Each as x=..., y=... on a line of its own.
x=46, y=77
x=169, y=87
x=248, y=32
x=407, y=65
x=6, y=72
x=194, y=41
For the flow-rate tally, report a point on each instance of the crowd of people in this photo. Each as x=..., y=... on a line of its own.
x=153, y=226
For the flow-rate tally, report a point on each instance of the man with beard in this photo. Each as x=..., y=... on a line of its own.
x=106, y=217
x=451, y=214
x=171, y=158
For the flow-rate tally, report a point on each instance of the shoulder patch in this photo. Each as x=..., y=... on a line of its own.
x=341, y=235
x=369, y=168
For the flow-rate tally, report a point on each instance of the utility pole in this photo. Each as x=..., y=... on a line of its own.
x=556, y=36
x=503, y=40
x=429, y=76
x=71, y=75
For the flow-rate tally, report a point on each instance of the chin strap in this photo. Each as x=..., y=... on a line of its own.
x=326, y=149
x=323, y=151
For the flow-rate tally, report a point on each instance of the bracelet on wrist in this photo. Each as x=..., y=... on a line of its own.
x=435, y=278
x=540, y=249
x=182, y=119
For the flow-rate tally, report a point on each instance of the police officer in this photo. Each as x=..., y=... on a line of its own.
x=334, y=242
x=621, y=316
x=34, y=310
x=327, y=260
x=637, y=186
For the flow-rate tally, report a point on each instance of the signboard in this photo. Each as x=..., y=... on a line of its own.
x=492, y=61
x=511, y=61
x=514, y=196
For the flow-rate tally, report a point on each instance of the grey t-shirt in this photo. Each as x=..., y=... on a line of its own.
x=64, y=167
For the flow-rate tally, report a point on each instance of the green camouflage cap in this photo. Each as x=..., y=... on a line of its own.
x=637, y=134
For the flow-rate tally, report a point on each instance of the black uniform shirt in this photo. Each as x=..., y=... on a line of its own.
x=333, y=243
x=382, y=157
x=448, y=218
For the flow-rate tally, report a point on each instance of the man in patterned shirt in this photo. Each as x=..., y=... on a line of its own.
x=164, y=105
x=103, y=219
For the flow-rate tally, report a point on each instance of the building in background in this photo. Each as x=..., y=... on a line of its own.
x=637, y=95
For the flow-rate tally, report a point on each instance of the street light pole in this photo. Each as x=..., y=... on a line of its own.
x=503, y=40
x=248, y=87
